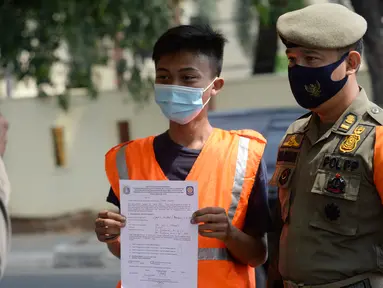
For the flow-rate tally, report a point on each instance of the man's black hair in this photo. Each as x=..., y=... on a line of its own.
x=357, y=46
x=192, y=38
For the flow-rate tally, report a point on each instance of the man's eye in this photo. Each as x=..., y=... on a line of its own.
x=188, y=77
x=161, y=77
x=291, y=60
x=311, y=59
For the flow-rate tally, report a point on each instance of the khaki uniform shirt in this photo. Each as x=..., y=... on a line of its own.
x=5, y=224
x=331, y=211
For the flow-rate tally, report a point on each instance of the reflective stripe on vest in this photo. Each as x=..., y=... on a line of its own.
x=121, y=163
x=240, y=170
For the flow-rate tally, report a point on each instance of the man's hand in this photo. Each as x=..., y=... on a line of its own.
x=3, y=134
x=216, y=224
x=108, y=225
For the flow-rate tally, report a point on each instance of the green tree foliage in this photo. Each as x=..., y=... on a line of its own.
x=270, y=10
x=205, y=12
x=87, y=28
x=265, y=13
x=244, y=18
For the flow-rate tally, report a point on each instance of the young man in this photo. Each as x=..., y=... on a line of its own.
x=228, y=166
x=330, y=163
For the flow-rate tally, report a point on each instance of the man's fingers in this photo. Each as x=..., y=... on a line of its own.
x=209, y=210
x=101, y=230
x=100, y=222
x=210, y=218
x=116, y=216
x=111, y=215
x=103, y=237
x=107, y=230
x=212, y=227
x=103, y=214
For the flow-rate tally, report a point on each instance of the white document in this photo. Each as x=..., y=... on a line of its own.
x=159, y=245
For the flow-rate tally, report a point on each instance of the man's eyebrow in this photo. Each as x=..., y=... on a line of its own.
x=310, y=52
x=162, y=69
x=188, y=69
x=185, y=69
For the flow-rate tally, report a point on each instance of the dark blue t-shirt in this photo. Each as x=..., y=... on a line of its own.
x=176, y=162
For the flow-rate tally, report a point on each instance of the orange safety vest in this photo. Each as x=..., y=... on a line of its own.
x=225, y=171
x=378, y=161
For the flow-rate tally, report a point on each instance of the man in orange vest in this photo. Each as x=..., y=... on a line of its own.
x=233, y=216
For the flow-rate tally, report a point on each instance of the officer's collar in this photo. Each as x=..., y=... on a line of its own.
x=346, y=123
x=350, y=119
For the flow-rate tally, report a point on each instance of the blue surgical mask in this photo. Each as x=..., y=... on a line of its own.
x=312, y=87
x=180, y=104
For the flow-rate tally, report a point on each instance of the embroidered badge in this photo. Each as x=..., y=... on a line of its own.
x=313, y=89
x=287, y=156
x=350, y=142
x=284, y=177
x=336, y=185
x=359, y=130
x=293, y=141
x=339, y=163
x=332, y=211
x=348, y=121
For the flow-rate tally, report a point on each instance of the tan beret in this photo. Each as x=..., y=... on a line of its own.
x=322, y=26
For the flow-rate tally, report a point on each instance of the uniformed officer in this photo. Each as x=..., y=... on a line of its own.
x=330, y=162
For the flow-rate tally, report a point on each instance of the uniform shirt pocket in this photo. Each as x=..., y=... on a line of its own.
x=335, y=207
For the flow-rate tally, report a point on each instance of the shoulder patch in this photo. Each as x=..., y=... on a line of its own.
x=376, y=113
x=293, y=140
x=348, y=122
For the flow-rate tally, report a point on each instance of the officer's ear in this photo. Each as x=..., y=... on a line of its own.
x=354, y=60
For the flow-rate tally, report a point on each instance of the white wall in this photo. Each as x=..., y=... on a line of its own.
x=42, y=190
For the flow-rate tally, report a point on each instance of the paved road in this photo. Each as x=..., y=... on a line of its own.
x=80, y=278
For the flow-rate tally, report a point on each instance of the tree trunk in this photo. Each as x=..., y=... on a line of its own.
x=176, y=6
x=265, y=50
x=372, y=11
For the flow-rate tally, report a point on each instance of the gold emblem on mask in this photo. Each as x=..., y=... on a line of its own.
x=350, y=142
x=313, y=89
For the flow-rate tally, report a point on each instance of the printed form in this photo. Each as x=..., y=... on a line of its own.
x=159, y=245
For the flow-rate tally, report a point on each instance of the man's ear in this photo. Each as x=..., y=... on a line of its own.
x=354, y=61
x=217, y=86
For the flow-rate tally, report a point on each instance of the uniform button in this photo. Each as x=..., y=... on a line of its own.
x=375, y=110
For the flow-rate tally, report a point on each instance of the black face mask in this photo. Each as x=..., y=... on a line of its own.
x=312, y=87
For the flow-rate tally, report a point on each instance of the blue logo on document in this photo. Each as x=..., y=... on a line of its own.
x=190, y=190
x=126, y=190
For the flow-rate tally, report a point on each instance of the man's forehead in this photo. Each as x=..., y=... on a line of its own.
x=306, y=51
x=183, y=60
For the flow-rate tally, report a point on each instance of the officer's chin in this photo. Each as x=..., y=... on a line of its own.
x=329, y=105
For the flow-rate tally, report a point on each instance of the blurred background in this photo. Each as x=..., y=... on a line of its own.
x=76, y=79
